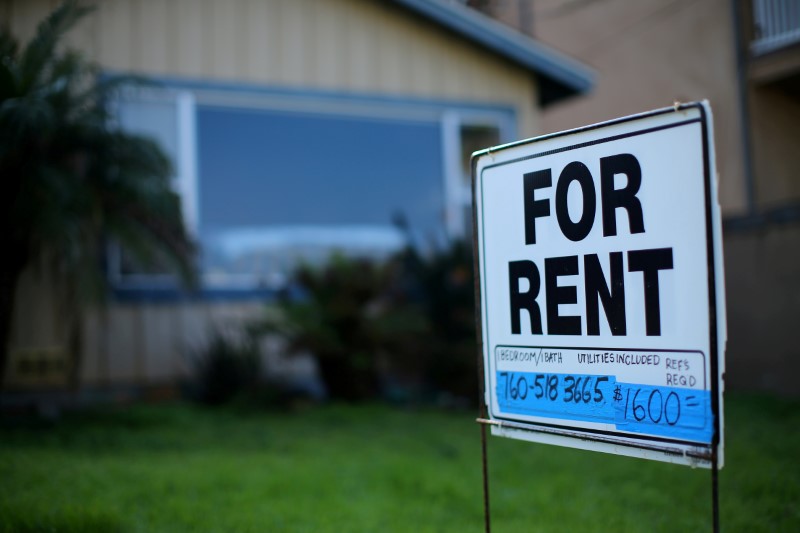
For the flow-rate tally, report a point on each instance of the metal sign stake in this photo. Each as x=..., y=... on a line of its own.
x=715, y=489
x=486, y=506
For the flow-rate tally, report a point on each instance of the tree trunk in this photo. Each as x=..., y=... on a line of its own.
x=15, y=250
x=10, y=272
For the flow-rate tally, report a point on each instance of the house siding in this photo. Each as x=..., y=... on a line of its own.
x=367, y=47
x=358, y=46
x=647, y=55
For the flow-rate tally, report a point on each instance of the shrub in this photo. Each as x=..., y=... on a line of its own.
x=225, y=368
x=403, y=328
x=442, y=286
x=347, y=319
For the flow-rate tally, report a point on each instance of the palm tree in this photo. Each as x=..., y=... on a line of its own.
x=70, y=180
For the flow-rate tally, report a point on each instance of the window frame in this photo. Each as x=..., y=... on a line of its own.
x=190, y=95
x=458, y=187
x=184, y=180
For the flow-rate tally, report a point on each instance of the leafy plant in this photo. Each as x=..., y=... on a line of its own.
x=224, y=368
x=442, y=286
x=349, y=320
x=70, y=179
x=404, y=328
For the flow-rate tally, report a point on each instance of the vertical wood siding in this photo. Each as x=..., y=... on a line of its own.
x=361, y=46
x=357, y=46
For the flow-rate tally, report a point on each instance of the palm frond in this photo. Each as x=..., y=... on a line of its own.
x=39, y=51
x=73, y=178
x=8, y=53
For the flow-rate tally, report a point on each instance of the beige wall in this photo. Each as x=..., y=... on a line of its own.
x=648, y=54
x=651, y=52
x=364, y=46
x=122, y=343
x=144, y=342
x=763, y=292
x=154, y=342
x=359, y=46
x=517, y=14
x=39, y=333
x=775, y=115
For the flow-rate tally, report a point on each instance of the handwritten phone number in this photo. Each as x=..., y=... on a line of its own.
x=571, y=389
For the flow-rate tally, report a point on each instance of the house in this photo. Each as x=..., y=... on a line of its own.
x=296, y=127
x=744, y=56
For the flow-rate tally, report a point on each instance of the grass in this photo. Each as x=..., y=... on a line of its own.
x=374, y=468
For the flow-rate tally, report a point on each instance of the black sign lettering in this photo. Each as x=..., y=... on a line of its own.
x=554, y=268
x=576, y=172
x=649, y=262
x=624, y=197
x=518, y=270
x=599, y=287
x=613, y=298
x=535, y=208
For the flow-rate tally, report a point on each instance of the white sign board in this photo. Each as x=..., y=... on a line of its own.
x=601, y=287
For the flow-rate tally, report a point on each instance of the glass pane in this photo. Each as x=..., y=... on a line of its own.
x=279, y=187
x=157, y=119
x=475, y=137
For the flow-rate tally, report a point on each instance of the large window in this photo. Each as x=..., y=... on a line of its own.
x=281, y=187
x=272, y=179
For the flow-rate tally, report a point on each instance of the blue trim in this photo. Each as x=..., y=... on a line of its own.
x=160, y=292
x=315, y=95
x=146, y=293
x=435, y=105
x=569, y=76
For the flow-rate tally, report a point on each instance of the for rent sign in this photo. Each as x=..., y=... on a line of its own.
x=601, y=291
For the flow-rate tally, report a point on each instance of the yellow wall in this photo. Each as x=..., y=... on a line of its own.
x=39, y=332
x=154, y=342
x=648, y=55
x=650, y=52
x=358, y=46
x=763, y=293
x=366, y=46
x=775, y=116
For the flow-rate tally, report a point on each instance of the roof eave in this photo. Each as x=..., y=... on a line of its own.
x=561, y=76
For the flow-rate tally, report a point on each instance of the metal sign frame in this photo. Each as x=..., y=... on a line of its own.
x=676, y=450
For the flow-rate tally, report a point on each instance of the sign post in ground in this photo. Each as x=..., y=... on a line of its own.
x=600, y=282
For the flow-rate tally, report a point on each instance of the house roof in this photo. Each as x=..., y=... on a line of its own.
x=559, y=76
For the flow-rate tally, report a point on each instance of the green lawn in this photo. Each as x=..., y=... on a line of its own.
x=374, y=468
